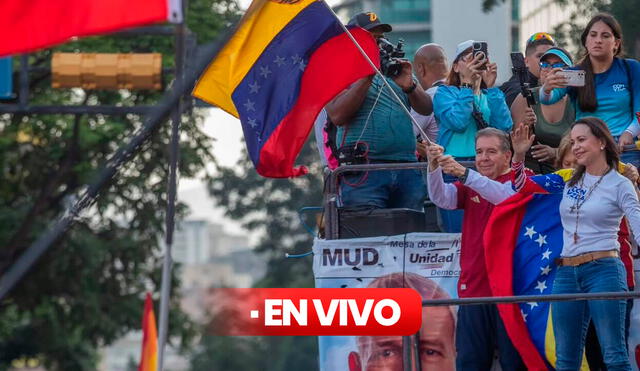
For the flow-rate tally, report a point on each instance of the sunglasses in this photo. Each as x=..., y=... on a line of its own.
x=539, y=36
x=555, y=65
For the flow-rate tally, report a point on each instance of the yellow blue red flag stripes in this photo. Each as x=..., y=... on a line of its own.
x=149, y=356
x=522, y=240
x=283, y=64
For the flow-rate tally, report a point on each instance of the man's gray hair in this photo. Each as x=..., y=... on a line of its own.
x=505, y=142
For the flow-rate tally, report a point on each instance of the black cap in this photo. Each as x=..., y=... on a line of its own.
x=368, y=21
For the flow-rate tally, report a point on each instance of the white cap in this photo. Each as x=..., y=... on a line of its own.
x=462, y=47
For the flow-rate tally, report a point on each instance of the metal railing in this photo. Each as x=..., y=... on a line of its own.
x=332, y=228
x=331, y=196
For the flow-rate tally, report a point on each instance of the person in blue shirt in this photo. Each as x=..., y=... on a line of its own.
x=370, y=118
x=612, y=84
x=469, y=102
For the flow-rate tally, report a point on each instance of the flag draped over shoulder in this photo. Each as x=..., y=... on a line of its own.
x=522, y=240
x=149, y=356
x=284, y=63
x=27, y=25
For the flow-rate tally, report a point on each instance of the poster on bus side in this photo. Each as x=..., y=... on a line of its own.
x=426, y=262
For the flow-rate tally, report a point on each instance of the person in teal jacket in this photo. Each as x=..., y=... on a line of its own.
x=469, y=102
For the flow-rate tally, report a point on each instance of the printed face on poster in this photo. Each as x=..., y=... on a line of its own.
x=425, y=262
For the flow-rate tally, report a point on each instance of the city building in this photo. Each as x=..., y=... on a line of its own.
x=206, y=256
x=448, y=22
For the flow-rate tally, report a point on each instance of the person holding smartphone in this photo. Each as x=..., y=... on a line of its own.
x=469, y=101
x=611, y=89
x=550, y=122
x=465, y=104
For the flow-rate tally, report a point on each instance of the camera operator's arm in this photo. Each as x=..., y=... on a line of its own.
x=342, y=108
x=419, y=99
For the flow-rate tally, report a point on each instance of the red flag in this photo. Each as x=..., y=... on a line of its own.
x=35, y=24
x=149, y=356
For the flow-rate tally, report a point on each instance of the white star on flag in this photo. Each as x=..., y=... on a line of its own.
x=532, y=304
x=530, y=232
x=279, y=61
x=524, y=315
x=546, y=270
x=295, y=58
x=254, y=87
x=249, y=105
x=265, y=71
x=252, y=122
x=541, y=240
x=546, y=254
x=542, y=285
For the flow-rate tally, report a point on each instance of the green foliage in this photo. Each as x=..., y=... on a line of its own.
x=268, y=206
x=256, y=353
x=568, y=33
x=88, y=289
x=487, y=5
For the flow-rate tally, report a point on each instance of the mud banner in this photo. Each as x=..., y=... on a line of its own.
x=426, y=262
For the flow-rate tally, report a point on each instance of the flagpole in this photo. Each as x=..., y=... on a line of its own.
x=384, y=80
x=172, y=185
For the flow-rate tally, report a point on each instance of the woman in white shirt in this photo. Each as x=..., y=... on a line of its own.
x=595, y=199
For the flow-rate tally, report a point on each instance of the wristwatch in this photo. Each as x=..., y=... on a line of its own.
x=463, y=177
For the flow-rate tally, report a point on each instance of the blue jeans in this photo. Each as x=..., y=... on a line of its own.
x=571, y=318
x=384, y=189
x=479, y=332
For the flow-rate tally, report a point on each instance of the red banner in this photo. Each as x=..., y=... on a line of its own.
x=316, y=312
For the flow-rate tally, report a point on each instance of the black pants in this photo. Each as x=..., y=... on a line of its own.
x=479, y=332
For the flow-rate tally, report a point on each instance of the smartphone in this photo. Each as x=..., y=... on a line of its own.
x=517, y=61
x=574, y=77
x=480, y=48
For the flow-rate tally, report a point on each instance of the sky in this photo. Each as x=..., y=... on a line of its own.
x=227, y=132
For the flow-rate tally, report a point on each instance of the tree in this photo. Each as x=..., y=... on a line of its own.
x=268, y=206
x=568, y=33
x=88, y=289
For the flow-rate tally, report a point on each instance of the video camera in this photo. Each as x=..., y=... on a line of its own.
x=390, y=57
x=520, y=69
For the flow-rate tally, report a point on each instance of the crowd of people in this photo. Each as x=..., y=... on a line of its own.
x=458, y=113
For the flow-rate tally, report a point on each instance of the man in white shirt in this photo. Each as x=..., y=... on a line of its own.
x=431, y=69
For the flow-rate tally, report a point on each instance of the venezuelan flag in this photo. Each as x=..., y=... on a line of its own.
x=149, y=356
x=287, y=59
x=522, y=240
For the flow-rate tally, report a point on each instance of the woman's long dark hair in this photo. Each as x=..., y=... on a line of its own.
x=600, y=130
x=587, y=94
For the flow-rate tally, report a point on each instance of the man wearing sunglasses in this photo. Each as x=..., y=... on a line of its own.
x=536, y=46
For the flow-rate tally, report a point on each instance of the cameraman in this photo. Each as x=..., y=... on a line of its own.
x=536, y=46
x=373, y=128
